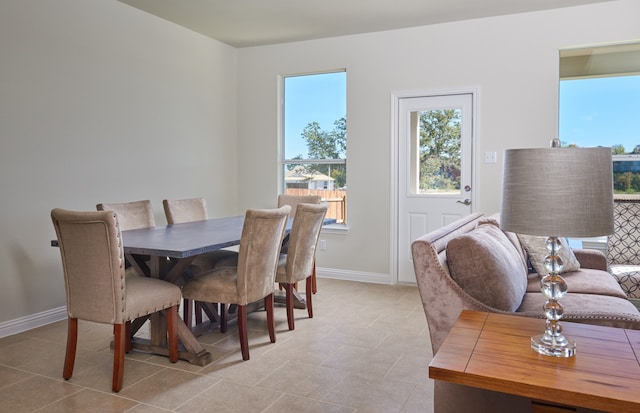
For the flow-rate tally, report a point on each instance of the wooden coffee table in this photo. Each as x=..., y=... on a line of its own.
x=492, y=351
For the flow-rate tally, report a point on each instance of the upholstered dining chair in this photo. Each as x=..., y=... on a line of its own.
x=131, y=215
x=97, y=290
x=298, y=263
x=178, y=211
x=254, y=276
x=293, y=201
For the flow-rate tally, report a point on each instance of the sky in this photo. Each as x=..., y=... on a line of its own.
x=312, y=98
x=593, y=112
x=600, y=112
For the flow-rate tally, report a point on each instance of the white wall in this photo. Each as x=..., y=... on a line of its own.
x=512, y=60
x=100, y=102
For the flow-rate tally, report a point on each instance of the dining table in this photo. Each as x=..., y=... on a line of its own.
x=165, y=252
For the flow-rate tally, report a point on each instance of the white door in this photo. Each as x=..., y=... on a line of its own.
x=435, y=135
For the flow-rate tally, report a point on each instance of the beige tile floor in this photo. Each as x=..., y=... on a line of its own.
x=366, y=350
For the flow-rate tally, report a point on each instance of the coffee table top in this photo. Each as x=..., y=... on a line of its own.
x=492, y=351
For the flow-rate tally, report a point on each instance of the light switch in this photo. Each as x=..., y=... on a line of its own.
x=490, y=157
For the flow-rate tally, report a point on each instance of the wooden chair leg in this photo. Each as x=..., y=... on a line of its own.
x=289, y=304
x=172, y=332
x=271, y=323
x=198, y=312
x=187, y=311
x=128, y=337
x=242, y=330
x=309, y=294
x=223, y=317
x=72, y=341
x=118, y=356
x=313, y=278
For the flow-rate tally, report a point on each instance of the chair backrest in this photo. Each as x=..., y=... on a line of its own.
x=294, y=200
x=93, y=262
x=260, y=241
x=178, y=211
x=303, y=240
x=131, y=215
x=623, y=244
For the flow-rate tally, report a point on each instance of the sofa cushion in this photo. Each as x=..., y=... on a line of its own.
x=511, y=236
x=594, y=309
x=537, y=251
x=487, y=266
x=585, y=281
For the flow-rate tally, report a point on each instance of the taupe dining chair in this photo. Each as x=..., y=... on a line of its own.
x=97, y=290
x=131, y=215
x=253, y=278
x=298, y=263
x=178, y=211
x=293, y=201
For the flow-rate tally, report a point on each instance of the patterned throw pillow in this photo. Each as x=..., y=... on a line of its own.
x=537, y=251
x=624, y=244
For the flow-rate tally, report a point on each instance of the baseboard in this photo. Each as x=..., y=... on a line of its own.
x=29, y=322
x=368, y=277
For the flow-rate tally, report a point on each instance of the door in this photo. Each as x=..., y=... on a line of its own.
x=435, y=135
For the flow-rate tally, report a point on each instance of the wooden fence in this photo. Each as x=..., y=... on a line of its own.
x=337, y=201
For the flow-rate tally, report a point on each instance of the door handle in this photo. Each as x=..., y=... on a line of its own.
x=466, y=202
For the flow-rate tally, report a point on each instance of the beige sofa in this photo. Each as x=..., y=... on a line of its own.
x=472, y=264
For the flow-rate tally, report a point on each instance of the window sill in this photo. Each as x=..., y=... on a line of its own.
x=335, y=229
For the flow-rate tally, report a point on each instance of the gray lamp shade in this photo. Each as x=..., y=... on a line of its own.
x=559, y=192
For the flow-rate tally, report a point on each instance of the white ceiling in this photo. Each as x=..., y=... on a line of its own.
x=243, y=23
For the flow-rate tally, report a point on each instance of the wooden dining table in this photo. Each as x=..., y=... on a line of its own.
x=165, y=252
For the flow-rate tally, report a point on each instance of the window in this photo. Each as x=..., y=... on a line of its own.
x=314, y=158
x=599, y=106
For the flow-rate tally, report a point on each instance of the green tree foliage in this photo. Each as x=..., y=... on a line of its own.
x=617, y=150
x=440, y=150
x=328, y=145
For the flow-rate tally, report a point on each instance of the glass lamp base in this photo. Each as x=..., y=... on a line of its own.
x=558, y=346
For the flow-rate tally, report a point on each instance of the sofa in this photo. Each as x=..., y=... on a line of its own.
x=472, y=264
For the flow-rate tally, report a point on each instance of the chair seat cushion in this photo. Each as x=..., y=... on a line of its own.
x=628, y=276
x=281, y=274
x=148, y=295
x=488, y=267
x=220, y=283
x=214, y=259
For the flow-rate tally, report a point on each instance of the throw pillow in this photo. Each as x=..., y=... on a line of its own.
x=487, y=266
x=537, y=251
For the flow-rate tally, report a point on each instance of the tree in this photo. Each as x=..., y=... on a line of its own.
x=440, y=149
x=328, y=145
x=617, y=149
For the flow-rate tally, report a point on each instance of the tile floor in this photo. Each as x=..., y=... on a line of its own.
x=366, y=350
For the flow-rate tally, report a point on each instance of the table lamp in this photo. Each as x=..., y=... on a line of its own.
x=557, y=192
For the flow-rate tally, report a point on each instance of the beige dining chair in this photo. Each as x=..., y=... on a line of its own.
x=131, y=215
x=298, y=263
x=97, y=290
x=253, y=278
x=179, y=211
x=293, y=201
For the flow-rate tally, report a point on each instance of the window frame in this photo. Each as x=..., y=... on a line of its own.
x=284, y=162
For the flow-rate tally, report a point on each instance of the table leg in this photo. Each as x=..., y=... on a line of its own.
x=192, y=350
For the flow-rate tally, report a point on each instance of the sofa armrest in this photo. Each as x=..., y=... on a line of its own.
x=591, y=259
